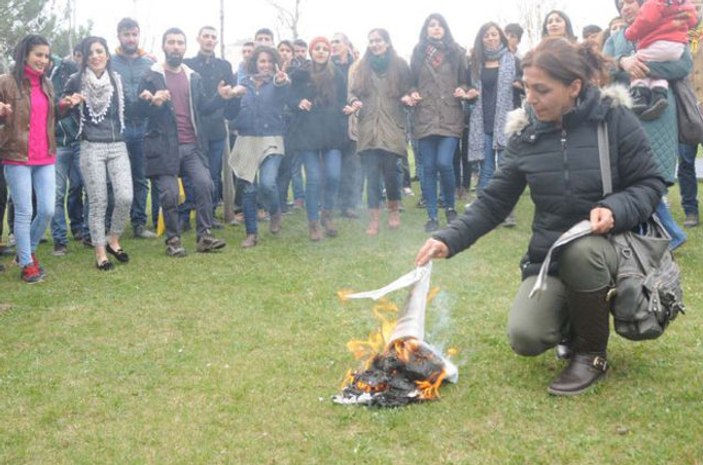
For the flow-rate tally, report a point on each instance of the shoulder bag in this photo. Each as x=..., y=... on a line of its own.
x=648, y=293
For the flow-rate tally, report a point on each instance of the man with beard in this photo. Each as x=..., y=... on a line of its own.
x=131, y=63
x=172, y=99
x=212, y=70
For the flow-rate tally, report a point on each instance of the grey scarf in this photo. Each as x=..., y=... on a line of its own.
x=98, y=93
x=504, y=104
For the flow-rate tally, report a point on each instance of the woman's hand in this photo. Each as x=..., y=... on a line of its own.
x=471, y=94
x=239, y=90
x=73, y=100
x=353, y=107
x=280, y=78
x=602, y=220
x=305, y=105
x=407, y=100
x=5, y=110
x=430, y=250
x=634, y=67
x=459, y=93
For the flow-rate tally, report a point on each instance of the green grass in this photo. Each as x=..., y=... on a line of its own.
x=231, y=358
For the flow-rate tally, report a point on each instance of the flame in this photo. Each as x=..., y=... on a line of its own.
x=366, y=350
x=377, y=346
x=430, y=389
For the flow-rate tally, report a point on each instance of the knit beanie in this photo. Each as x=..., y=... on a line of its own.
x=316, y=41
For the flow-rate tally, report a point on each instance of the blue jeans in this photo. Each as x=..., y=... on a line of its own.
x=20, y=181
x=437, y=157
x=315, y=162
x=68, y=177
x=134, y=139
x=678, y=237
x=488, y=164
x=688, y=183
x=269, y=192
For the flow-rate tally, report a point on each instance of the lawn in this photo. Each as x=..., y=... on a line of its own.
x=231, y=358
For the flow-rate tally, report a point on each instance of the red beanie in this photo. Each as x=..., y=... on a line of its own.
x=317, y=40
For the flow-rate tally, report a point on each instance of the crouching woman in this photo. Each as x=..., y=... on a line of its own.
x=553, y=149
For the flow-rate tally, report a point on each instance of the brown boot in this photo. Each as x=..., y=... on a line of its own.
x=374, y=221
x=275, y=223
x=315, y=233
x=589, y=314
x=394, y=214
x=326, y=220
x=249, y=241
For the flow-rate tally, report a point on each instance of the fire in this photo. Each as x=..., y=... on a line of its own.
x=394, y=372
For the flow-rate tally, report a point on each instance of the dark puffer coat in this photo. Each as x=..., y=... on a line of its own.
x=562, y=169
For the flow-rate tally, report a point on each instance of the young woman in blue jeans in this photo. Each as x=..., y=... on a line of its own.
x=28, y=148
x=318, y=133
x=439, y=79
x=259, y=146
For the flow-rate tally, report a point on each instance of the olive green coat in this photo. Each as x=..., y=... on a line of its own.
x=381, y=120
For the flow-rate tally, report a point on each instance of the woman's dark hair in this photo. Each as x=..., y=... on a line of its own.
x=362, y=77
x=568, y=29
x=453, y=50
x=21, y=53
x=324, y=82
x=251, y=62
x=566, y=61
x=477, y=51
x=87, y=43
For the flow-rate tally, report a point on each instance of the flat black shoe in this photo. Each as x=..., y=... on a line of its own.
x=105, y=265
x=119, y=254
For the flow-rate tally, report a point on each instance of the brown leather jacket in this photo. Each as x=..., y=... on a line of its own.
x=14, y=129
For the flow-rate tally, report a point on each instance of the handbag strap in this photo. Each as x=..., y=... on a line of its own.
x=604, y=155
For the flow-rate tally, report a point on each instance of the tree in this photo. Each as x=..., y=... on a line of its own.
x=287, y=17
x=21, y=17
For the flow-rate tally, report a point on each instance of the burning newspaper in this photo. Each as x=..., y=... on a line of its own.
x=399, y=367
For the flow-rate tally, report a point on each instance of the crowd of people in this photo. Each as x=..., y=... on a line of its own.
x=88, y=137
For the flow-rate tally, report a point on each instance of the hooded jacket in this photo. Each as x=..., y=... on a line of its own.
x=562, y=168
x=161, y=138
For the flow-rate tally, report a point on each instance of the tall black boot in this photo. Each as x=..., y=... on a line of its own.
x=589, y=314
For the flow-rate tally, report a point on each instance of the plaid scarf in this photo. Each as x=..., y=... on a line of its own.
x=434, y=54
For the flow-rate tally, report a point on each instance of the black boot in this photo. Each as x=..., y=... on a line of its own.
x=658, y=105
x=589, y=315
x=641, y=98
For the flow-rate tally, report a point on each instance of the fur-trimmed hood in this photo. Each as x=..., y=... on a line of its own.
x=609, y=97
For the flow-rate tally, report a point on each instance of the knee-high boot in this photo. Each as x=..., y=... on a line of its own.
x=589, y=313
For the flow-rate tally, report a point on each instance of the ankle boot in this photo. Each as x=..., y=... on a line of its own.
x=327, y=224
x=394, y=214
x=374, y=221
x=249, y=241
x=314, y=228
x=589, y=313
x=275, y=223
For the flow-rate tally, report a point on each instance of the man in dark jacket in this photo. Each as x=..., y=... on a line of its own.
x=212, y=70
x=67, y=170
x=173, y=100
x=131, y=63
